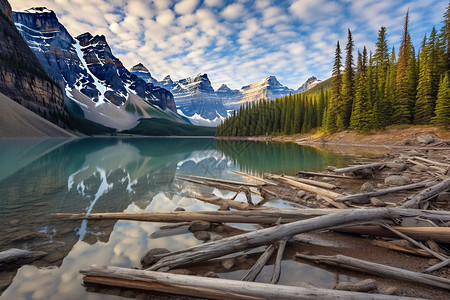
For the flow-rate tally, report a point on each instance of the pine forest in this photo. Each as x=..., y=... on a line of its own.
x=384, y=88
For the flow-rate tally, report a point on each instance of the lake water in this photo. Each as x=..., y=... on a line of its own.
x=39, y=177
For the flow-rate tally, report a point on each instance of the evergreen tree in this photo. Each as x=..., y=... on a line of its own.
x=445, y=39
x=348, y=86
x=442, y=111
x=405, y=90
x=425, y=94
x=336, y=92
x=360, y=119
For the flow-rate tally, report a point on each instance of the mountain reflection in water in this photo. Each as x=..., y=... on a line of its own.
x=42, y=176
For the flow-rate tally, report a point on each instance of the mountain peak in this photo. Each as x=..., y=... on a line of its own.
x=139, y=67
x=39, y=10
x=311, y=82
x=224, y=87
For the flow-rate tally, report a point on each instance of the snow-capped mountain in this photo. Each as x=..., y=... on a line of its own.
x=268, y=88
x=97, y=85
x=194, y=97
x=310, y=83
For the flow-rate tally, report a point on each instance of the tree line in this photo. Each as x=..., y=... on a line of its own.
x=384, y=88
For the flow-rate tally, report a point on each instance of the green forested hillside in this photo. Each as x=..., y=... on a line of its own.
x=387, y=87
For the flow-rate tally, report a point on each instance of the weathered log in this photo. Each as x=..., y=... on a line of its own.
x=263, y=216
x=305, y=187
x=260, y=263
x=359, y=265
x=253, y=177
x=223, y=181
x=412, y=241
x=360, y=286
x=222, y=186
x=436, y=163
x=363, y=198
x=395, y=247
x=312, y=182
x=227, y=203
x=269, y=235
x=426, y=194
x=311, y=174
x=333, y=203
x=438, y=266
x=215, y=288
x=439, y=234
x=14, y=257
x=279, y=258
x=439, y=169
x=359, y=167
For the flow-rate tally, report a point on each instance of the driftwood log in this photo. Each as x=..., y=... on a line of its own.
x=365, y=197
x=215, y=288
x=12, y=258
x=359, y=167
x=363, y=266
x=427, y=194
x=269, y=235
x=260, y=263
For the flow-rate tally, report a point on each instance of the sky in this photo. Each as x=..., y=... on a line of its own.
x=240, y=42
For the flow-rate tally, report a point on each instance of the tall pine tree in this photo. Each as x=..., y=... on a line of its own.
x=336, y=91
x=348, y=86
x=442, y=110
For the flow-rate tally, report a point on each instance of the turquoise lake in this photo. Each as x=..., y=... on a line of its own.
x=39, y=177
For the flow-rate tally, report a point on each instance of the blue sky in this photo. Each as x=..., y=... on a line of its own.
x=240, y=42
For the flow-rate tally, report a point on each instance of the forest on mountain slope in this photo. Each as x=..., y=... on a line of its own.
x=383, y=89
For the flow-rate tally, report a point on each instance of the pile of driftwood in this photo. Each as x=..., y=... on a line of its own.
x=320, y=204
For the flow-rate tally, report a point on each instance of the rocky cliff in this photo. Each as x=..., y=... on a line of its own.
x=96, y=84
x=22, y=77
x=194, y=96
x=311, y=82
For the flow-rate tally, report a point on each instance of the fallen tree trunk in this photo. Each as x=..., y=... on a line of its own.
x=269, y=235
x=359, y=167
x=14, y=257
x=432, y=162
x=365, y=197
x=183, y=176
x=253, y=177
x=214, y=288
x=311, y=174
x=395, y=247
x=264, y=216
x=438, y=234
x=260, y=263
x=305, y=187
x=378, y=269
x=312, y=182
x=427, y=193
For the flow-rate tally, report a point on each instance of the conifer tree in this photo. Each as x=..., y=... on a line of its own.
x=348, y=86
x=442, y=111
x=336, y=90
x=405, y=90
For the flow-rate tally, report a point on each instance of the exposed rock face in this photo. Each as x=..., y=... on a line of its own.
x=230, y=98
x=97, y=86
x=194, y=96
x=311, y=82
x=22, y=77
x=268, y=88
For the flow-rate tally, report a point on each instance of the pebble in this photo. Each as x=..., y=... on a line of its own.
x=149, y=257
x=377, y=202
x=396, y=180
x=199, y=226
x=202, y=235
x=367, y=187
x=301, y=194
x=425, y=138
x=228, y=263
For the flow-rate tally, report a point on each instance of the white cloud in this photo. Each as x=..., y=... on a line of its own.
x=311, y=10
x=165, y=17
x=139, y=9
x=233, y=11
x=186, y=7
x=213, y=3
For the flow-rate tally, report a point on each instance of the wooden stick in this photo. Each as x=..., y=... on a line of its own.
x=269, y=235
x=218, y=185
x=431, y=162
x=215, y=288
x=311, y=174
x=227, y=203
x=253, y=177
x=260, y=263
x=365, y=197
x=395, y=247
x=305, y=187
x=379, y=270
x=359, y=167
x=439, y=265
x=412, y=241
x=312, y=182
x=427, y=193
x=424, y=165
x=181, y=176
x=332, y=202
x=277, y=265
x=439, y=234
